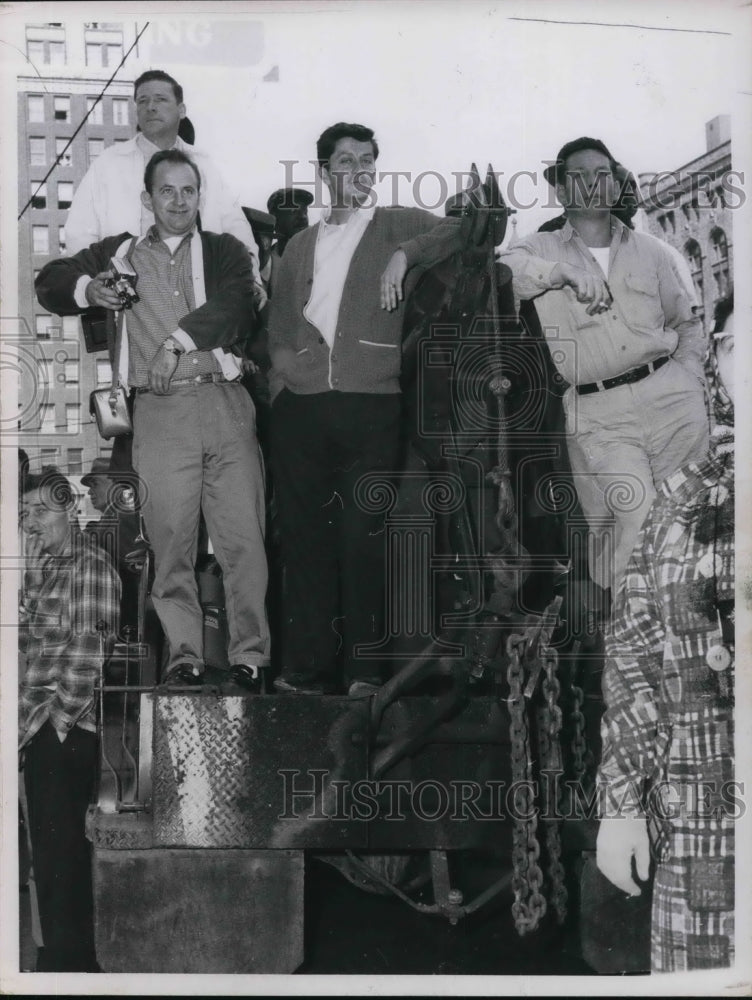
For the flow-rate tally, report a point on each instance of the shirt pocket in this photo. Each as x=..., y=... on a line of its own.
x=643, y=306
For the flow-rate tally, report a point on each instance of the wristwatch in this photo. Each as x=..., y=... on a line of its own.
x=173, y=347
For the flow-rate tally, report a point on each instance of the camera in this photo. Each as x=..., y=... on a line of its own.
x=123, y=281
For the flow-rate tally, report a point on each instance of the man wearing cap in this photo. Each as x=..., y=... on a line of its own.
x=289, y=206
x=335, y=339
x=194, y=442
x=116, y=531
x=623, y=336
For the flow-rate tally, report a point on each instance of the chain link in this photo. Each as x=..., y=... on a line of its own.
x=579, y=743
x=529, y=904
x=553, y=762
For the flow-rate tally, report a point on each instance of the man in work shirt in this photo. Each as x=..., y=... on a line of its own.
x=622, y=334
x=69, y=612
x=194, y=445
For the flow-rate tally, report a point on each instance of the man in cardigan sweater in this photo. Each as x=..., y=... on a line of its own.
x=194, y=447
x=335, y=331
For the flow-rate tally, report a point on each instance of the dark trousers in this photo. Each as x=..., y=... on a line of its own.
x=332, y=537
x=59, y=780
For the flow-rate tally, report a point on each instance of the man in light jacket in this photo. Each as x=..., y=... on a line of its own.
x=108, y=199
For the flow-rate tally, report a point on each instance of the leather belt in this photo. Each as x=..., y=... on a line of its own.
x=634, y=375
x=198, y=380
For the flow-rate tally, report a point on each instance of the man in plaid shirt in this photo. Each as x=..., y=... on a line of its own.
x=69, y=611
x=666, y=776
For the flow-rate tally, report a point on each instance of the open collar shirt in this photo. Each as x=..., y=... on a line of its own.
x=651, y=315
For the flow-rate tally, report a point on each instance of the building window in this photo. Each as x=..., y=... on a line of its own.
x=38, y=195
x=62, y=109
x=693, y=253
x=57, y=53
x=104, y=372
x=103, y=54
x=47, y=419
x=114, y=54
x=95, y=148
x=48, y=456
x=37, y=152
x=119, y=111
x=70, y=326
x=35, y=108
x=44, y=325
x=40, y=239
x=64, y=194
x=64, y=156
x=61, y=239
x=47, y=368
x=94, y=111
x=71, y=372
x=719, y=253
x=94, y=55
x=75, y=461
x=72, y=418
x=35, y=51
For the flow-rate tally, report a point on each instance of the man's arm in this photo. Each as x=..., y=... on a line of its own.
x=439, y=239
x=226, y=214
x=677, y=310
x=228, y=313
x=95, y=613
x=629, y=728
x=82, y=224
x=55, y=285
x=534, y=274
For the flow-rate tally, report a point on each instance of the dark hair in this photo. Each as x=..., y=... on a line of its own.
x=559, y=168
x=343, y=130
x=186, y=131
x=55, y=490
x=159, y=74
x=168, y=156
x=723, y=309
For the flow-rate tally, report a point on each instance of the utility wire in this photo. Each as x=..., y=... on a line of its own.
x=101, y=94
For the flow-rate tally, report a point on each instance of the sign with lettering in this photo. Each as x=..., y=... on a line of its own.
x=198, y=41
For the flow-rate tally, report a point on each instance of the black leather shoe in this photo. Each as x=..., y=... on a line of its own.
x=184, y=675
x=248, y=677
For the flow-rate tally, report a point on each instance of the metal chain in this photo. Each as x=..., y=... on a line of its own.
x=553, y=762
x=578, y=744
x=529, y=904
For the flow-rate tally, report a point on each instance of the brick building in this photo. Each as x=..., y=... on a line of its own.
x=692, y=208
x=72, y=64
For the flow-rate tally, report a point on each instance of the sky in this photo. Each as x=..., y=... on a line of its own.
x=443, y=83
x=446, y=84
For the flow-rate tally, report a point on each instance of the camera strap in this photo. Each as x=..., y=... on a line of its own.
x=119, y=320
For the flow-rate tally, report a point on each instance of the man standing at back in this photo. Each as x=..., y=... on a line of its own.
x=335, y=340
x=623, y=336
x=108, y=199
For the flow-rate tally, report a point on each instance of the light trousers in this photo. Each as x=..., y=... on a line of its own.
x=623, y=442
x=195, y=451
